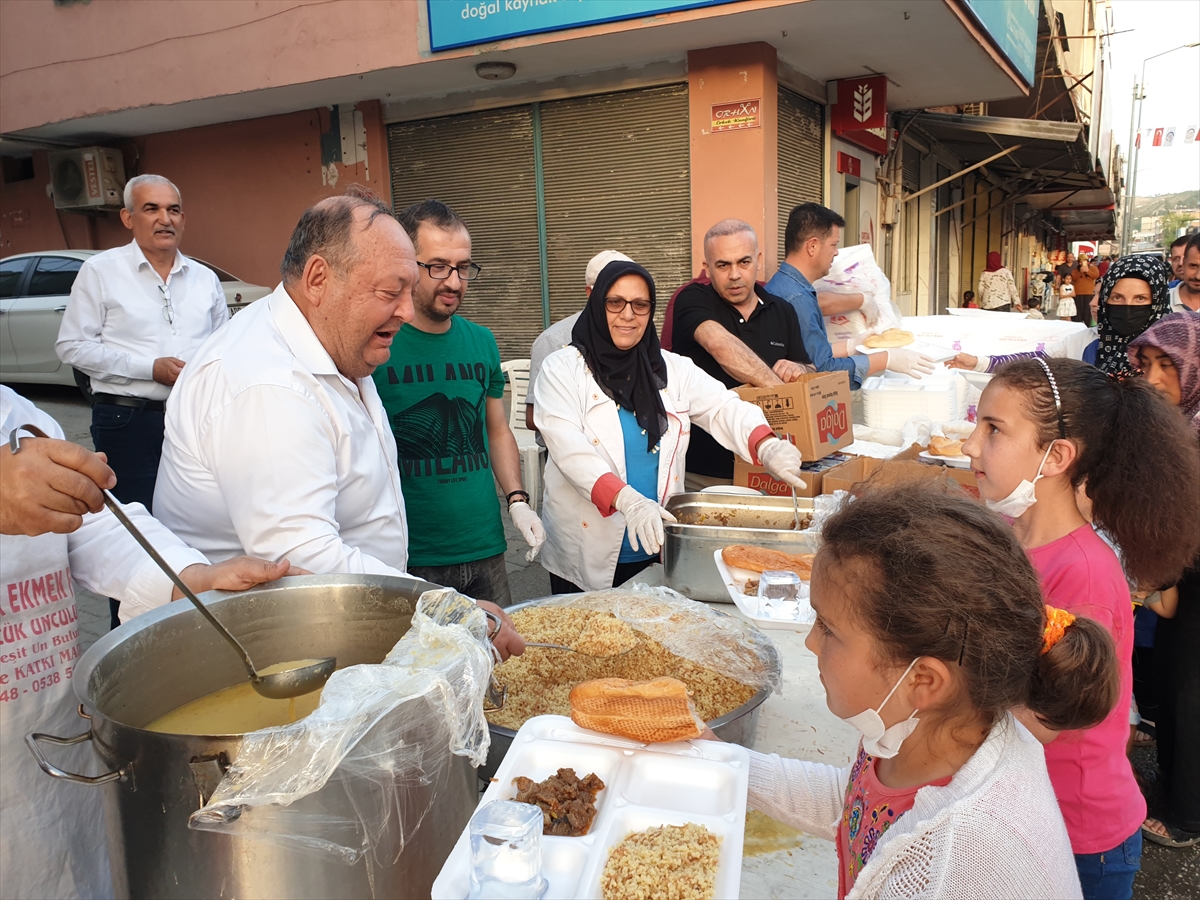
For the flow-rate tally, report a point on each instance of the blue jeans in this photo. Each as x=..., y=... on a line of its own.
x=132, y=439
x=1109, y=875
x=482, y=579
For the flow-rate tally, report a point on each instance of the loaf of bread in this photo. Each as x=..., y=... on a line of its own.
x=944, y=446
x=760, y=559
x=893, y=337
x=650, y=711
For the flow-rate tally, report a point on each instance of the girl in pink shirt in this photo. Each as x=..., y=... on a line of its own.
x=1049, y=430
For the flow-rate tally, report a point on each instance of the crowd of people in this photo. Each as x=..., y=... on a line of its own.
x=353, y=422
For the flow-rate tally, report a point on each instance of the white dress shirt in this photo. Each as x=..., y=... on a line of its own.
x=115, y=326
x=271, y=452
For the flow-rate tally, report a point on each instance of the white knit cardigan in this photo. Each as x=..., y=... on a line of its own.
x=994, y=831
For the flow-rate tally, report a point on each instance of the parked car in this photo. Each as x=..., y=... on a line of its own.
x=35, y=289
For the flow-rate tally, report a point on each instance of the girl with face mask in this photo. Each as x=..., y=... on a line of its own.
x=1048, y=430
x=930, y=628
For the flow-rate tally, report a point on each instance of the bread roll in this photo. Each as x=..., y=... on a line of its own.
x=760, y=559
x=893, y=337
x=650, y=712
x=943, y=446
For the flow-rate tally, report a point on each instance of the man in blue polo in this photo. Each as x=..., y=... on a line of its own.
x=811, y=243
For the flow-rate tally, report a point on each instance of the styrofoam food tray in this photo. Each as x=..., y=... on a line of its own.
x=933, y=351
x=704, y=782
x=957, y=462
x=735, y=581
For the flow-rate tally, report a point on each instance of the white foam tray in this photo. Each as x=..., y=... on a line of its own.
x=704, y=782
x=955, y=462
x=735, y=582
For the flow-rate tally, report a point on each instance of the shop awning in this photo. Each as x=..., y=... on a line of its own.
x=1045, y=165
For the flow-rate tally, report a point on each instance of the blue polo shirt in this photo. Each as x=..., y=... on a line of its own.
x=793, y=287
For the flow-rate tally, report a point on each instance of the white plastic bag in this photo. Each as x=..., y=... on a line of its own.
x=855, y=271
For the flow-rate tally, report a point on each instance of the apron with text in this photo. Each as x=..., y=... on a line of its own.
x=51, y=831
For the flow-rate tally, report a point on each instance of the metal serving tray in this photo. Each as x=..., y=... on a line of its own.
x=709, y=522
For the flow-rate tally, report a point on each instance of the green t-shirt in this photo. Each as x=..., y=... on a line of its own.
x=435, y=389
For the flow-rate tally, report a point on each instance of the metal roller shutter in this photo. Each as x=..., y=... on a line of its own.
x=481, y=164
x=801, y=155
x=617, y=177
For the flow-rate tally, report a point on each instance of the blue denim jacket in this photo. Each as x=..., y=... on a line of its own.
x=793, y=287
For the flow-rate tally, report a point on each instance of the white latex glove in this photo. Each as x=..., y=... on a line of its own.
x=908, y=362
x=643, y=519
x=529, y=525
x=781, y=459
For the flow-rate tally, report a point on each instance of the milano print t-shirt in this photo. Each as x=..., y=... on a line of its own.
x=435, y=389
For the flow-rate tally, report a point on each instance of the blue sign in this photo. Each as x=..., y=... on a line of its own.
x=460, y=23
x=1012, y=24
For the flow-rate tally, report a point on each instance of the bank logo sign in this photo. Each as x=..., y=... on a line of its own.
x=862, y=103
x=461, y=23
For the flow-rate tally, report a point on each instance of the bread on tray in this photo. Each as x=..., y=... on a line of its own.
x=650, y=711
x=893, y=337
x=761, y=559
x=944, y=446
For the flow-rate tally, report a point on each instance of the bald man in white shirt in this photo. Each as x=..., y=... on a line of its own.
x=277, y=444
x=137, y=314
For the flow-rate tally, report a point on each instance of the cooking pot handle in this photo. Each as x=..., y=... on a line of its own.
x=55, y=772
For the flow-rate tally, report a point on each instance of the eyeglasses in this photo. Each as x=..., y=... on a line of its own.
x=441, y=271
x=617, y=305
x=168, y=311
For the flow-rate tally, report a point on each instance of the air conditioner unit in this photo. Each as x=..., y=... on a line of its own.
x=87, y=178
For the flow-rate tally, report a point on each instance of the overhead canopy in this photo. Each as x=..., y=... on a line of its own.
x=1049, y=166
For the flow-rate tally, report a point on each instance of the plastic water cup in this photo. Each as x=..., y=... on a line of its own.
x=779, y=595
x=506, y=852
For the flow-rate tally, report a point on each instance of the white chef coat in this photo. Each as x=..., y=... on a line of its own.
x=271, y=452
x=582, y=428
x=52, y=831
x=114, y=327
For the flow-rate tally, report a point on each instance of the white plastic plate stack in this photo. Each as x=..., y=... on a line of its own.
x=891, y=402
x=703, y=782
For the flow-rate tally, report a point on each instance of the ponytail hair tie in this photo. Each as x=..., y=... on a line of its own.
x=1057, y=622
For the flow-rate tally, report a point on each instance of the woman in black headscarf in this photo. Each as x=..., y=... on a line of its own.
x=615, y=411
x=1133, y=296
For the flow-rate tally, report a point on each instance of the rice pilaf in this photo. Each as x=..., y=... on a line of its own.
x=539, y=681
x=671, y=862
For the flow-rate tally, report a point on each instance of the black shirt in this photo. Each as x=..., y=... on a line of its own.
x=772, y=332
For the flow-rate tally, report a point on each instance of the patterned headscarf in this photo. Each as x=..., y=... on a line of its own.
x=1113, y=358
x=1178, y=336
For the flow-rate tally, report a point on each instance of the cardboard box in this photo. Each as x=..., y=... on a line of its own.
x=813, y=412
x=756, y=477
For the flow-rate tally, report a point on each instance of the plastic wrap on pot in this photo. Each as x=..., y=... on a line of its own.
x=725, y=644
x=379, y=731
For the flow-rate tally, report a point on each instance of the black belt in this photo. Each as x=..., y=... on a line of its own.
x=133, y=402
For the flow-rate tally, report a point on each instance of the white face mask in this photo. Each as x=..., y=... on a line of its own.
x=1023, y=495
x=879, y=740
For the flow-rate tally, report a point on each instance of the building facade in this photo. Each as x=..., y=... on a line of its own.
x=556, y=130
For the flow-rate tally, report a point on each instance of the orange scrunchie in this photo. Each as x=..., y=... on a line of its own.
x=1057, y=622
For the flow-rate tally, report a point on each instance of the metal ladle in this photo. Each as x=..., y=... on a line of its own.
x=277, y=685
x=281, y=685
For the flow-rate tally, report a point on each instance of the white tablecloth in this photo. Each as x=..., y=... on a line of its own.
x=982, y=332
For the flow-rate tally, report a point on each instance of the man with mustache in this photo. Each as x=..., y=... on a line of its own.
x=137, y=313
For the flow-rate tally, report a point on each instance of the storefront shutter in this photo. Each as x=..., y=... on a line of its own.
x=801, y=155
x=616, y=176
x=482, y=165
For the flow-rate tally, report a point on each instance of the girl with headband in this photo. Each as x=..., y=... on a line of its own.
x=1047, y=431
x=931, y=627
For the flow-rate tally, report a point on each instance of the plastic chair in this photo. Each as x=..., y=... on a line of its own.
x=517, y=371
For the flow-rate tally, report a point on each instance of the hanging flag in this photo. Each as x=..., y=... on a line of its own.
x=1169, y=136
x=1158, y=137
x=1191, y=135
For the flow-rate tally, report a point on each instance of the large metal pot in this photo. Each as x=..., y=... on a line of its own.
x=737, y=726
x=168, y=657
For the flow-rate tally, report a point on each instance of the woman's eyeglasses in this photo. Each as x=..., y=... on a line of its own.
x=617, y=305
x=441, y=271
x=168, y=310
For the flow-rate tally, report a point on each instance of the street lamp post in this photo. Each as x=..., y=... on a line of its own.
x=1139, y=94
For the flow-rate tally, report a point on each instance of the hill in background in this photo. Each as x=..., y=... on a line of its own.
x=1156, y=206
